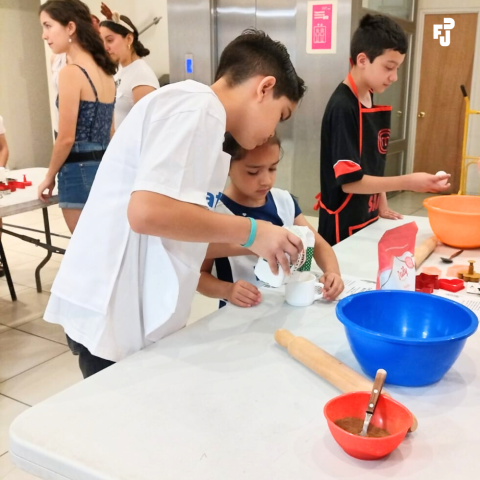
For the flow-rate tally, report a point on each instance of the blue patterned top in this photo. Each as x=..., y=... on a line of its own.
x=94, y=120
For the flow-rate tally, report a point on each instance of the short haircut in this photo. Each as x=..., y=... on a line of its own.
x=375, y=34
x=254, y=53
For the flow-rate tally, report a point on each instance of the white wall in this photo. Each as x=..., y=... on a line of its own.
x=473, y=145
x=141, y=13
x=23, y=85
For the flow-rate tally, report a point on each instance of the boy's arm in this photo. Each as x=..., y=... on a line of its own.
x=3, y=151
x=240, y=293
x=161, y=216
x=343, y=131
x=326, y=260
x=416, y=182
x=220, y=250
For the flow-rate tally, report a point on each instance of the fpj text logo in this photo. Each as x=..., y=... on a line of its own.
x=448, y=24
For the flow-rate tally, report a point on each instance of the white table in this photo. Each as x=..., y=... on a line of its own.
x=26, y=200
x=220, y=400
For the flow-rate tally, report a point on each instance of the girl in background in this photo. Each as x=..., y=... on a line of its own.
x=86, y=100
x=134, y=78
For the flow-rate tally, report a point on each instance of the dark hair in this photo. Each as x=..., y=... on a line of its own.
x=65, y=11
x=137, y=45
x=237, y=152
x=374, y=35
x=255, y=53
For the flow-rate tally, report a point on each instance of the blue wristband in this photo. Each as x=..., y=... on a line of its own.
x=253, y=233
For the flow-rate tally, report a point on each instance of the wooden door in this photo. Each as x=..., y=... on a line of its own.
x=438, y=144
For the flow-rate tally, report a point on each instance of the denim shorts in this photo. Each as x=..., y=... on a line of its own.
x=74, y=183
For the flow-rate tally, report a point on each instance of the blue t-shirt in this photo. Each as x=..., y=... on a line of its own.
x=267, y=212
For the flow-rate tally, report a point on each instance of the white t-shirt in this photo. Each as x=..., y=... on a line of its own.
x=126, y=79
x=2, y=126
x=118, y=291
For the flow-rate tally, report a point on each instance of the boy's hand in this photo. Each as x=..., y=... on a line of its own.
x=332, y=285
x=385, y=212
x=244, y=294
x=272, y=243
x=424, y=182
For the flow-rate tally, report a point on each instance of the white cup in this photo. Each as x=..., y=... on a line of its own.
x=300, y=291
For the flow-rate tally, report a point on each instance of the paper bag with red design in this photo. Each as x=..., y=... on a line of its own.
x=396, y=270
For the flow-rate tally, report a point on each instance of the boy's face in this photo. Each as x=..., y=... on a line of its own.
x=382, y=72
x=260, y=113
x=254, y=176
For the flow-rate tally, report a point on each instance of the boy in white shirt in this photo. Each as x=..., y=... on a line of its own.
x=131, y=270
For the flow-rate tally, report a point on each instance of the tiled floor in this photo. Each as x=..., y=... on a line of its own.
x=35, y=362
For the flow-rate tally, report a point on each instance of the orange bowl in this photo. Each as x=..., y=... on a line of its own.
x=455, y=219
x=389, y=414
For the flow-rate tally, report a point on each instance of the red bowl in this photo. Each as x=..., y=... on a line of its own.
x=389, y=415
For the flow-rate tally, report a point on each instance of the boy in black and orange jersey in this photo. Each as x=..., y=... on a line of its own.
x=355, y=136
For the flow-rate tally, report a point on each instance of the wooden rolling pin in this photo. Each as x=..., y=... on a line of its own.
x=327, y=366
x=424, y=250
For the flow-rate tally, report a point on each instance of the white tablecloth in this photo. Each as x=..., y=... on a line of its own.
x=220, y=400
x=25, y=200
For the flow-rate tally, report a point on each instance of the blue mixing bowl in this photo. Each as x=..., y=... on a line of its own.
x=415, y=337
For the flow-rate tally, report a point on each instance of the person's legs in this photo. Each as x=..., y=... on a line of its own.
x=71, y=216
x=74, y=184
x=89, y=364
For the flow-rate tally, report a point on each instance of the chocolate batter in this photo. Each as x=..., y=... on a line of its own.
x=354, y=425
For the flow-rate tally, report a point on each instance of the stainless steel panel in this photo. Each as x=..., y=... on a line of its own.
x=395, y=8
x=322, y=74
x=233, y=17
x=278, y=19
x=191, y=31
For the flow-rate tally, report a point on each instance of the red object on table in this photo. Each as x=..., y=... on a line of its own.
x=426, y=283
x=26, y=182
x=452, y=285
x=14, y=183
x=389, y=414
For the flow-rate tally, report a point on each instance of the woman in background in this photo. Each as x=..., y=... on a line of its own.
x=86, y=100
x=135, y=78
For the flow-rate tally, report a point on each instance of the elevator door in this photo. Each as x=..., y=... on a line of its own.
x=277, y=18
